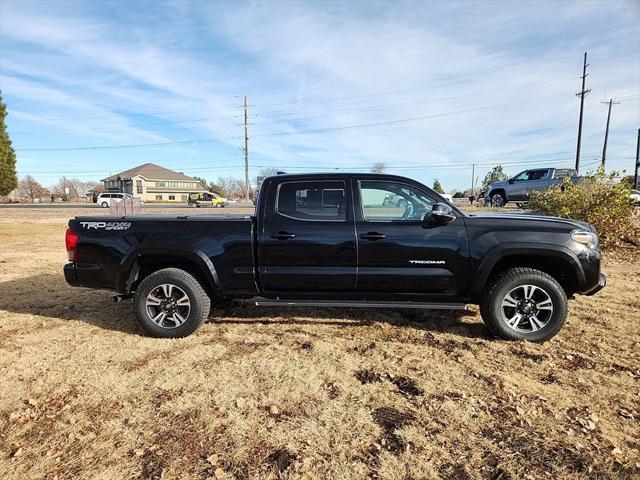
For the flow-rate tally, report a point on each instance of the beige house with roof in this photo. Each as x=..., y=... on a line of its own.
x=153, y=183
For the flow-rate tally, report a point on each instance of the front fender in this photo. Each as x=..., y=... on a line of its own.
x=193, y=255
x=505, y=250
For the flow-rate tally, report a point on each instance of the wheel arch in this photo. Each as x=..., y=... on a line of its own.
x=499, y=190
x=559, y=262
x=139, y=263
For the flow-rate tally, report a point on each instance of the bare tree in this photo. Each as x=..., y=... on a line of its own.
x=378, y=167
x=232, y=187
x=82, y=188
x=65, y=186
x=268, y=172
x=31, y=189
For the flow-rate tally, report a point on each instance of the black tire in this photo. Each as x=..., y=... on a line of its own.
x=199, y=303
x=498, y=200
x=104, y=205
x=492, y=309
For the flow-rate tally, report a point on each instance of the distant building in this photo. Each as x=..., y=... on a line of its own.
x=151, y=183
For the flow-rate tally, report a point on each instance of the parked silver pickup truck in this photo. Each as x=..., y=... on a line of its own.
x=519, y=188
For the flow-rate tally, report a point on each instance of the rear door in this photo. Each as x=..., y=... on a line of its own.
x=307, y=240
x=399, y=254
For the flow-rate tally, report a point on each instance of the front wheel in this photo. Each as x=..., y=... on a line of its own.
x=524, y=304
x=171, y=303
x=104, y=204
x=497, y=200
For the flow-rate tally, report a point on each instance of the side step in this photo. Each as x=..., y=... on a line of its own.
x=267, y=302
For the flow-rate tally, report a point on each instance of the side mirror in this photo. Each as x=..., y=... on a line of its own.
x=511, y=181
x=442, y=213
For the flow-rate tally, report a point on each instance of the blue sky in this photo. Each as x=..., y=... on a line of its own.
x=426, y=87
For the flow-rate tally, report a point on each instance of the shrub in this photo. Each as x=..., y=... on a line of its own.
x=596, y=198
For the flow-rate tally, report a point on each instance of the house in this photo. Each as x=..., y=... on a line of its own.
x=152, y=183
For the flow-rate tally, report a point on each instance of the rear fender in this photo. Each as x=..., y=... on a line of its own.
x=129, y=266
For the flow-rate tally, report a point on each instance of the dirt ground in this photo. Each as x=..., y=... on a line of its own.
x=304, y=393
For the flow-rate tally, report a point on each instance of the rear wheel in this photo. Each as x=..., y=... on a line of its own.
x=524, y=304
x=171, y=303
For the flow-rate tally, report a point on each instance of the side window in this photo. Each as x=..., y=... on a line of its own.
x=529, y=175
x=538, y=174
x=316, y=201
x=389, y=201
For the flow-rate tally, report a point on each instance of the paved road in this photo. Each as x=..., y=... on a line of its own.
x=93, y=205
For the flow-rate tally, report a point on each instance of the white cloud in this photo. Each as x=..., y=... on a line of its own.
x=334, y=65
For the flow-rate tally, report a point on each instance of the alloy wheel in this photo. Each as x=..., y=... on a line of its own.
x=168, y=306
x=526, y=308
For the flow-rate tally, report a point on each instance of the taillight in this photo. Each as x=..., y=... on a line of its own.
x=71, y=241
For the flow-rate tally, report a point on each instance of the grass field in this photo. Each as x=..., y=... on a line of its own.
x=305, y=393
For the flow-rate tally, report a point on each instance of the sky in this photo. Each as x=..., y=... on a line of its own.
x=427, y=87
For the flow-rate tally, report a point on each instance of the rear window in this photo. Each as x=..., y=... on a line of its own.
x=563, y=172
x=314, y=201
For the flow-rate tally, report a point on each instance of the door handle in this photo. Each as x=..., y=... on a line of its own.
x=372, y=236
x=283, y=235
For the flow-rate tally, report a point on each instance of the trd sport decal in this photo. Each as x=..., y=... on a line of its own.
x=106, y=225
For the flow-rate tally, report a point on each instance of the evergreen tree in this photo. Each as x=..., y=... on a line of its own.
x=495, y=175
x=437, y=187
x=202, y=181
x=8, y=175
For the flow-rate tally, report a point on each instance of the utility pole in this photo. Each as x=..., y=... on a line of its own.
x=635, y=177
x=473, y=175
x=246, y=151
x=606, y=132
x=581, y=94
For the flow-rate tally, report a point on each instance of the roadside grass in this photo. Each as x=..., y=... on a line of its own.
x=305, y=393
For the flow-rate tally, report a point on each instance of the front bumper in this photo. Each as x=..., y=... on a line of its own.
x=602, y=282
x=70, y=275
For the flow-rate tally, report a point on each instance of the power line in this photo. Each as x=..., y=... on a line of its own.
x=298, y=132
x=342, y=111
x=512, y=163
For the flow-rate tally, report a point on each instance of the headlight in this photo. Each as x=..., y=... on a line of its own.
x=589, y=239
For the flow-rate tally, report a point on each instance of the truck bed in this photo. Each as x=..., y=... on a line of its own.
x=111, y=248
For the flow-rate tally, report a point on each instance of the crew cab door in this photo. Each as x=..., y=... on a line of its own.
x=306, y=240
x=402, y=256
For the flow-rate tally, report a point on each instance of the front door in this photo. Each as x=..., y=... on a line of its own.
x=307, y=242
x=402, y=254
x=527, y=182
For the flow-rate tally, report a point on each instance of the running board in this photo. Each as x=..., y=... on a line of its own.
x=267, y=302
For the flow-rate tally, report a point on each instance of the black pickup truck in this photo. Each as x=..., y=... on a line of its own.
x=332, y=240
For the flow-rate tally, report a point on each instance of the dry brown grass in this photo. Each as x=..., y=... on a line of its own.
x=306, y=393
